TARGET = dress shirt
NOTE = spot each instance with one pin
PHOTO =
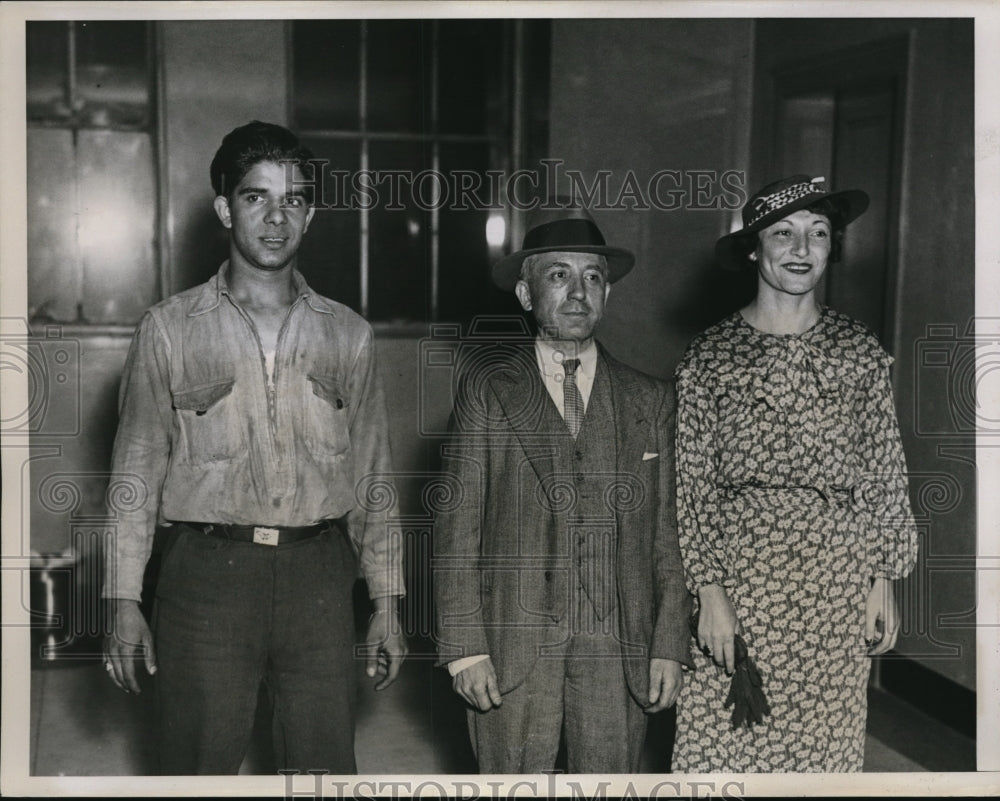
(200, 437)
(550, 357)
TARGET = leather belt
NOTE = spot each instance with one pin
(261, 535)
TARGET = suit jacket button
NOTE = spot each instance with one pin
(548, 575)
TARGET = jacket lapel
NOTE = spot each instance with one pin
(529, 410)
(633, 407)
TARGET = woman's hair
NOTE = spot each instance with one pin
(251, 144)
(832, 211)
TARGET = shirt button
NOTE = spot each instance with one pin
(579, 454)
(548, 575)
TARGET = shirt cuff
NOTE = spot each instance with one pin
(456, 667)
(383, 582)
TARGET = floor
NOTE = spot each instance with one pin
(81, 725)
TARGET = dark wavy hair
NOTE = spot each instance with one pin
(251, 144)
(831, 210)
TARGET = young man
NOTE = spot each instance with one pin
(250, 409)
(561, 603)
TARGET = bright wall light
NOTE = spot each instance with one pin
(496, 230)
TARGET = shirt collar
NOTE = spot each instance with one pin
(217, 286)
(550, 357)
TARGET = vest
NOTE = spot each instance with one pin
(589, 464)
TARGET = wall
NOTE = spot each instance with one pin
(247, 81)
(643, 96)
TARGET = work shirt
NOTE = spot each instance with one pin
(202, 438)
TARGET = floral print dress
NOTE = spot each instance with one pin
(792, 494)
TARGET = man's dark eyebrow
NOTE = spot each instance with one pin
(596, 266)
(251, 190)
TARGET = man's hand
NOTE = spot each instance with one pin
(385, 646)
(665, 680)
(477, 684)
(130, 638)
(717, 626)
(881, 618)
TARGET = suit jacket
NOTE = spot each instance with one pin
(501, 547)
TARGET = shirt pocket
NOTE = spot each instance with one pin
(327, 430)
(208, 423)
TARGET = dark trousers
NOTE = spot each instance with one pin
(576, 690)
(230, 615)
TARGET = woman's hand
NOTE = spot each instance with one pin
(881, 618)
(717, 626)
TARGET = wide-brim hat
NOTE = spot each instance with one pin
(776, 201)
(561, 225)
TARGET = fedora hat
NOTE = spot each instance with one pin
(776, 201)
(558, 226)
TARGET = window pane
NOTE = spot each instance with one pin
(113, 73)
(53, 264)
(399, 241)
(465, 258)
(470, 69)
(325, 71)
(117, 225)
(330, 255)
(399, 58)
(46, 50)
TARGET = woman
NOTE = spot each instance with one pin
(792, 499)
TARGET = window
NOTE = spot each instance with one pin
(409, 118)
(92, 195)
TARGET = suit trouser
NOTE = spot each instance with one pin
(230, 615)
(576, 689)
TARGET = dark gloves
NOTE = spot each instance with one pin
(746, 693)
(746, 689)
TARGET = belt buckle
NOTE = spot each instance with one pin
(265, 536)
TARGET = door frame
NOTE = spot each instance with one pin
(836, 71)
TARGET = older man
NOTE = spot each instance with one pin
(250, 410)
(561, 606)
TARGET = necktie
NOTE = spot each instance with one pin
(572, 399)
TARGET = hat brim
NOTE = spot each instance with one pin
(729, 250)
(507, 271)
